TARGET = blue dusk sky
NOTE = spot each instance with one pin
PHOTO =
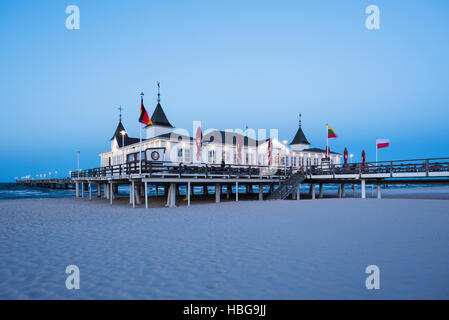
(226, 63)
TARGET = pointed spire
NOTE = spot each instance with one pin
(159, 118)
(119, 129)
(300, 138)
(120, 113)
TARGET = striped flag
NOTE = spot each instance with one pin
(382, 143)
(144, 118)
(331, 133)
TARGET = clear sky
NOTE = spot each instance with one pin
(226, 63)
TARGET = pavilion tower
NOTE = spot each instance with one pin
(160, 124)
(300, 141)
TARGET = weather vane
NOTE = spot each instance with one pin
(158, 92)
(300, 120)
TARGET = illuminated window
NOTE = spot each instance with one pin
(187, 155)
(211, 156)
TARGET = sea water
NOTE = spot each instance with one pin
(16, 191)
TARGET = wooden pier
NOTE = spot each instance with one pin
(262, 181)
(172, 176)
(64, 183)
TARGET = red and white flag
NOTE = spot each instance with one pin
(382, 143)
(199, 143)
(270, 151)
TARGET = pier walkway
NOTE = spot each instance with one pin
(274, 182)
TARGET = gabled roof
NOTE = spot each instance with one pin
(159, 118)
(216, 136)
(170, 135)
(118, 136)
(318, 150)
(299, 138)
(127, 140)
(229, 138)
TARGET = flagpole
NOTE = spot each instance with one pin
(376, 150)
(327, 140)
(140, 144)
(140, 152)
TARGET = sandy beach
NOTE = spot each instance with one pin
(247, 250)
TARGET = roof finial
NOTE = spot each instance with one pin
(158, 92)
(300, 120)
(120, 113)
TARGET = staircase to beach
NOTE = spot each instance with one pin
(287, 186)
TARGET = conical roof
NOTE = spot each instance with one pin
(159, 118)
(127, 140)
(119, 129)
(299, 138)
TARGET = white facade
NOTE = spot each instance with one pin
(184, 150)
(154, 131)
(165, 143)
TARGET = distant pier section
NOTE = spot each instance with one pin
(63, 183)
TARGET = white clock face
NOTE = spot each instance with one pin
(155, 155)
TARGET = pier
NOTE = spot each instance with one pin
(63, 183)
(172, 176)
(263, 182)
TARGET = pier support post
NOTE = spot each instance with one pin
(111, 192)
(174, 195)
(339, 191)
(98, 190)
(236, 191)
(82, 189)
(77, 190)
(298, 192)
(342, 190)
(260, 191)
(363, 188)
(379, 195)
(146, 194)
(320, 195)
(168, 196)
(217, 192)
(138, 193)
(188, 194)
(90, 191)
(312, 187)
(228, 191)
(132, 192)
(171, 196)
